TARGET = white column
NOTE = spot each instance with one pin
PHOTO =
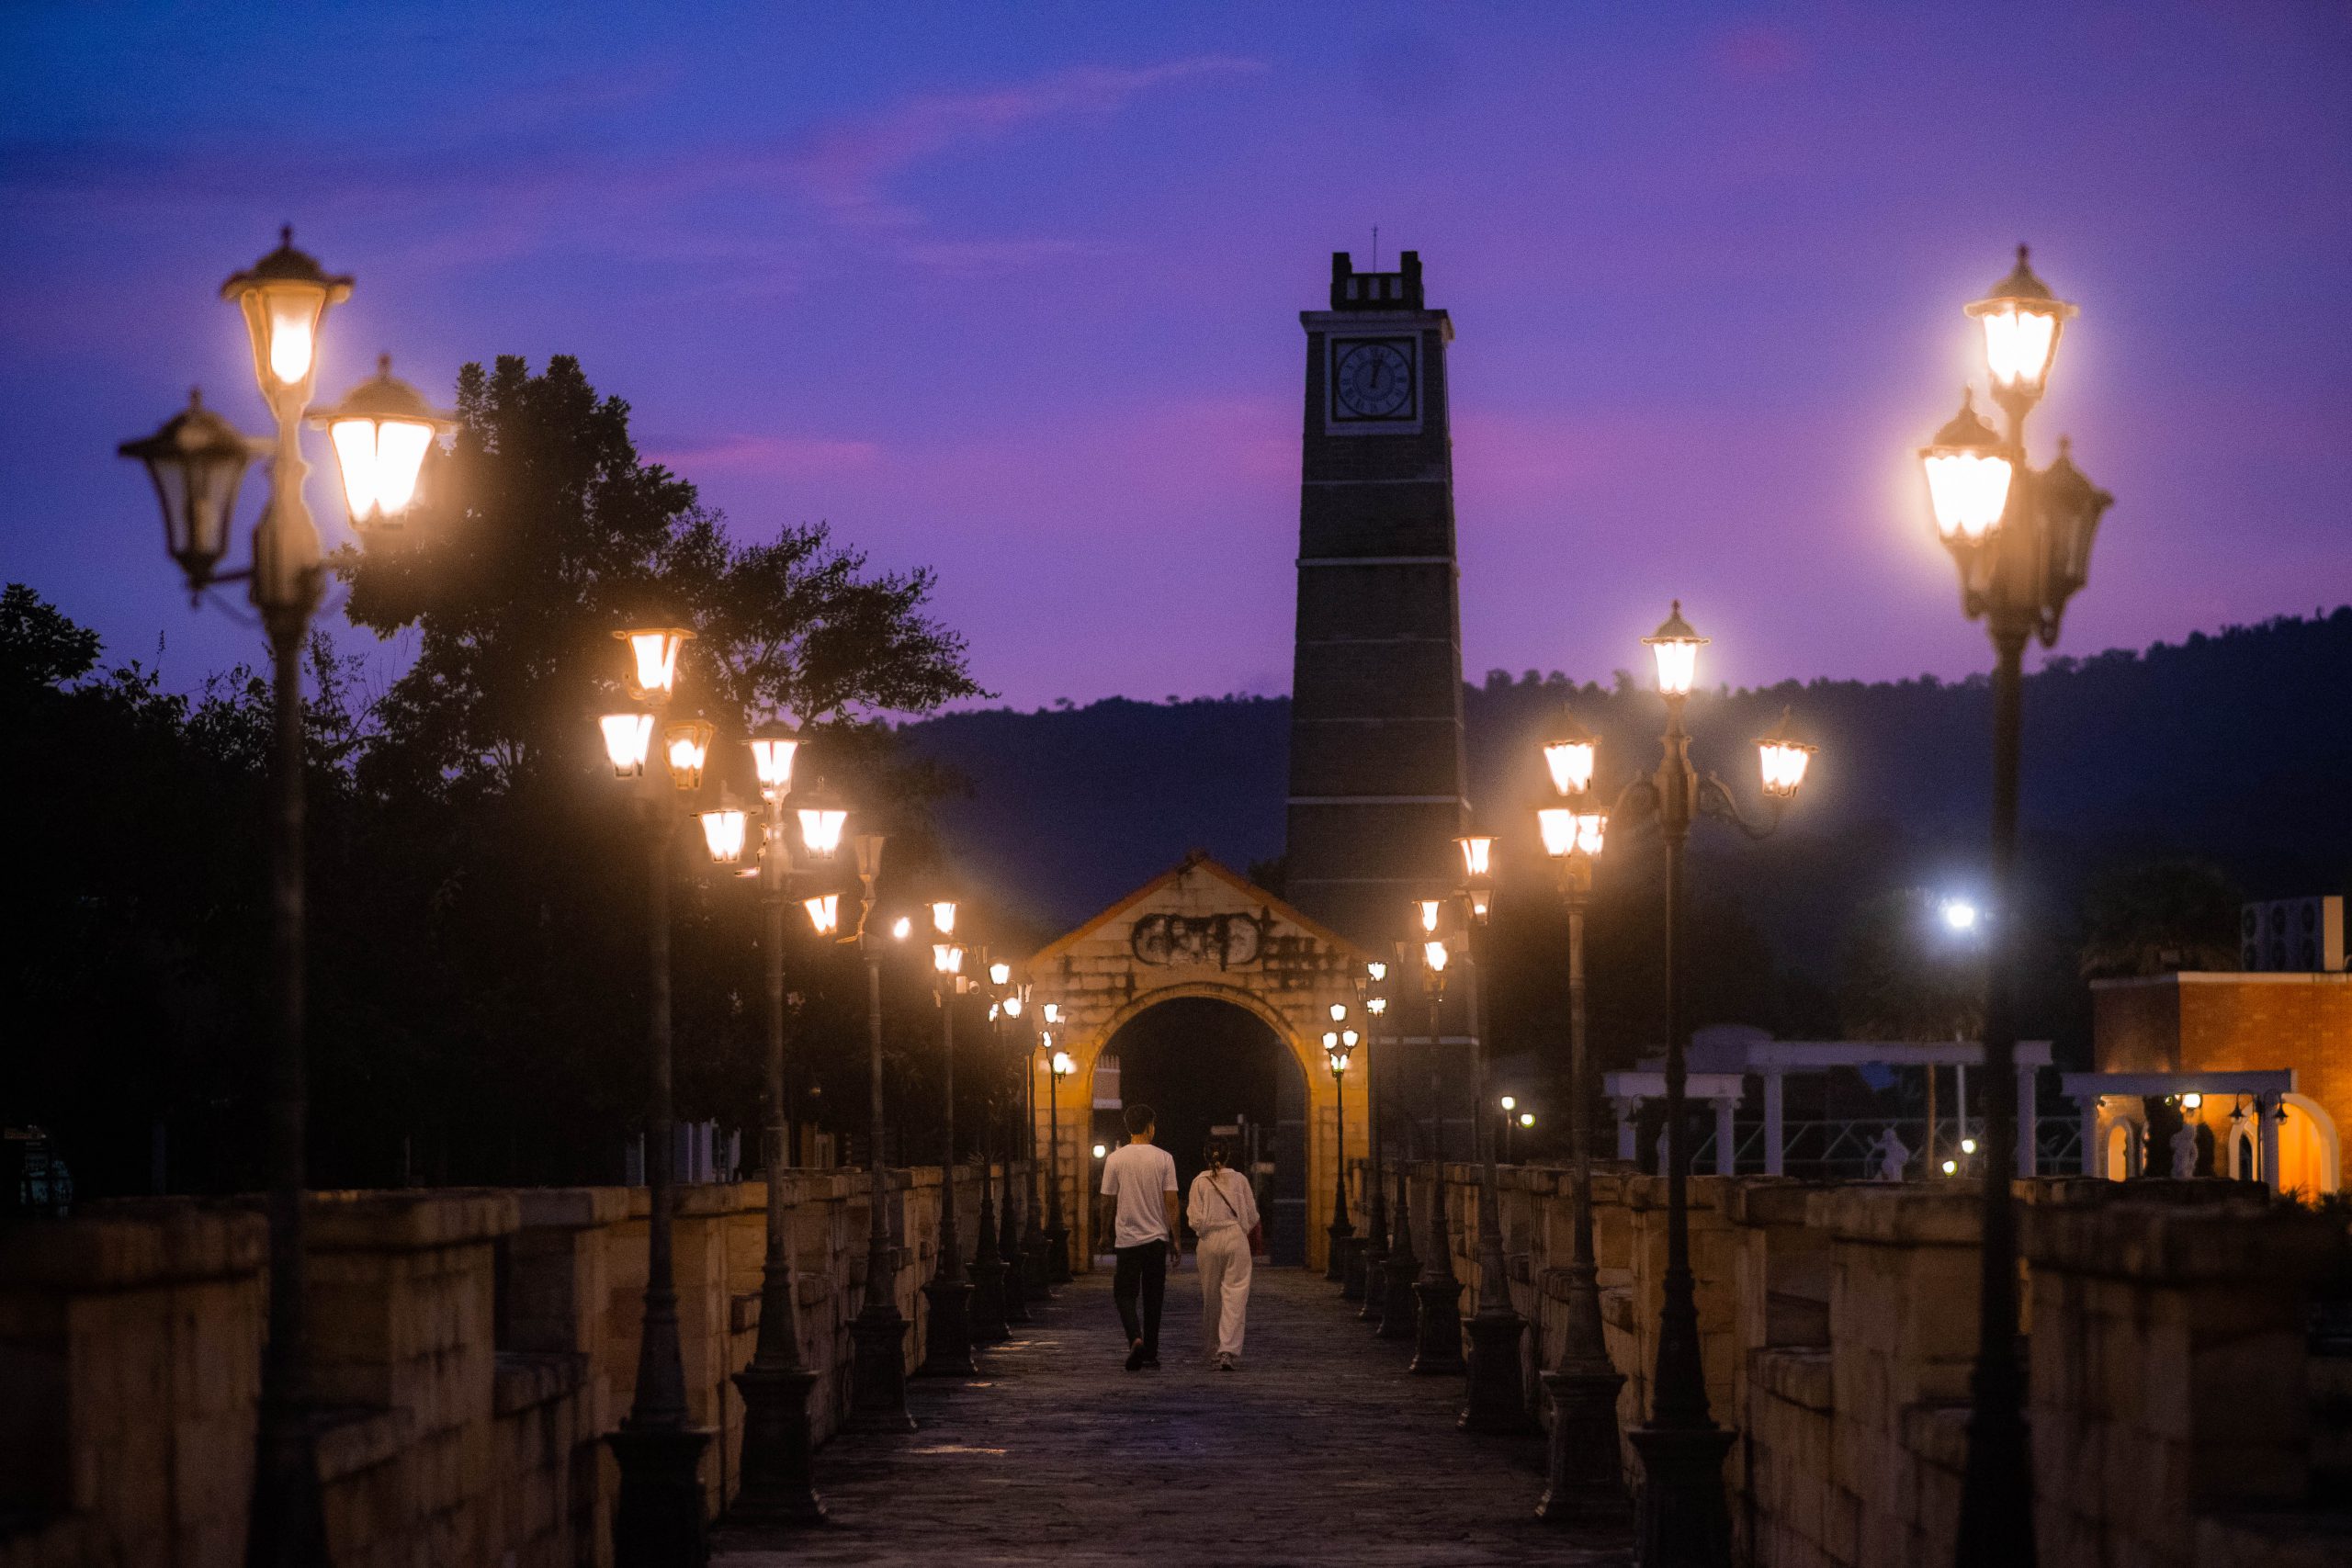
(1627, 1107)
(1724, 1152)
(2027, 1163)
(2265, 1106)
(2093, 1158)
(1775, 1154)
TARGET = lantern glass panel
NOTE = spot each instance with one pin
(628, 739)
(1571, 764)
(722, 834)
(820, 831)
(824, 912)
(1968, 488)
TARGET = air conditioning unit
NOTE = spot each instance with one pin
(2292, 936)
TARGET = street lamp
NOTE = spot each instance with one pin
(1584, 1479)
(1335, 1263)
(659, 1514)
(1339, 1045)
(1497, 1398)
(1683, 1517)
(947, 1337)
(1000, 1298)
(197, 463)
(1366, 1275)
(1437, 1343)
(1035, 1283)
(2022, 542)
(878, 1332)
(1057, 1233)
(778, 1438)
(1508, 1103)
(1399, 1306)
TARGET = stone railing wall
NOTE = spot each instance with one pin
(472, 1347)
(2178, 1417)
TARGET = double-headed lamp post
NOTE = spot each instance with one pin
(877, 1382)
(380, 434)
(1437, 1343)
(1497, 1388)
(659, 1517)
(998, 1301)
(777, 1442)
(1682, 1518)
(2022, 541)
(1584, 1477)
(947, 1336)
(1338, 1046)
(1335, 1262)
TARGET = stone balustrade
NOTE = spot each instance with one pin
(2179, 1417)
(472, 1348)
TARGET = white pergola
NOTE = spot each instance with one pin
(1731, 1057)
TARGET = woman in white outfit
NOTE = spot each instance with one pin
(1224, 1212)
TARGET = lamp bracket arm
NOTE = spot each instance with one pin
(1716, 800)
(1636, 801)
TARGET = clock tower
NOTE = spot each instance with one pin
(1375, 742)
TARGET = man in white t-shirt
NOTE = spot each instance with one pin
(1141, 1213)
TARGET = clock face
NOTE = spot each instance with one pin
(1373, 379)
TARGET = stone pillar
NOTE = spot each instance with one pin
(2170, 1372)
(1726, 1152)
(1775, 1149)
(1627, 1106)
(2029, 1111)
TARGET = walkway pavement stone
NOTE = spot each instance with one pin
(1321, 1450)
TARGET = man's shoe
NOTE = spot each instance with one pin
(1134, 1358)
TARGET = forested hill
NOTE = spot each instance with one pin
(2235, 747)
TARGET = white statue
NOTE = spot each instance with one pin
(1893, 1157)
(2184, 1152)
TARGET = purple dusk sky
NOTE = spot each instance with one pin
(1011, 291)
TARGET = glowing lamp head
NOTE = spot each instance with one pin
(1950, 1166)
(825, 913)
(1337, 1055)
(1347, 1038)
(1570, 756)
(2022, 322)
(1063, 1065)
(902, 928)
(1015, 1006)
(382, 435)
(686, 744)
(628, 741)
(1435, 956)
(1376, 1006)
(1330, 1039)
(1783, 759)
(772, 754)
(1527, 1119)
(999, 973)
(1053, 1011)
(1557, 825)
(1968, 478)
(1968, 1145)
(2192, 1101)
(284, 296)
(196, 462)
(942, 917)
(1676, 647)
(947, 957)
(1099, 1150)
(1427, 911)
(1510, 1103)
(1477, 856)
(722, 834)
(654, 659)
(1338, 1011)
(1375, 971)
(1959, 914)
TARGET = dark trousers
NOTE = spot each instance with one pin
(1143, 1268)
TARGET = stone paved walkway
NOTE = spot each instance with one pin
(1322, 1449)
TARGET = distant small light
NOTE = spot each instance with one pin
(1100, 1151)
(1950, 1166)
(2191, 1101)
(1959, 914)
(1968, 1145)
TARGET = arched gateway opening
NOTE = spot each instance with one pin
(1154, 981)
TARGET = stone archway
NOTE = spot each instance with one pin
(1201, 930)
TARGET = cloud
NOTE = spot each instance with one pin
(780, 456)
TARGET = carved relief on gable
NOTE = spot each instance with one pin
(1225, 942)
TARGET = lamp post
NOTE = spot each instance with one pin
(878, 1333)
(1004, 1253)
(777, 1442)
(1057, 1233)
(1335, 1261)
(1436, 1346)
(947, 1337)
(196, 462)
(1034, 1284)
(1497, 1398)
(1508, 1103)
(1585, 1480)
(1682, 1518)
(659, 1516)
(2023, 542)
(1399, 1306)
(1339, 1044)
(1367, 1265)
